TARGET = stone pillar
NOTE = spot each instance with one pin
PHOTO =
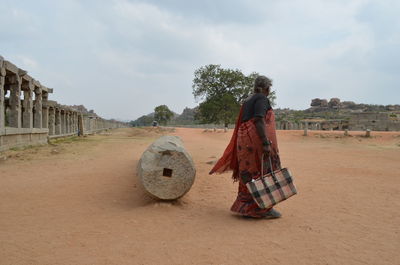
(52, 120)
(64, 117)
(305, 129)
(62, 114)
(57, 129)
(80, 125)
(73, 122)
(27, 115)
(67, 122)
(15, 102)
(2, 81)
(45, 117)
(166, 170)
(38, 108)
(76, 122)
(70, 130)
(45, 111)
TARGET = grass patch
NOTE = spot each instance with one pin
(27, 147)
(68, 140)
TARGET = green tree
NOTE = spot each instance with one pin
(162, 114)
(222, 91)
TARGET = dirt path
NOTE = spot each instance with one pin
(78, 203)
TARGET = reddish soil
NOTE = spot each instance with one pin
(78, 202)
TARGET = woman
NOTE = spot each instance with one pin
(253, 137)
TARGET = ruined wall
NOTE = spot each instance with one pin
(27, 117)
(358, 122)
(375, 121)
(352, 121)
(310, 124)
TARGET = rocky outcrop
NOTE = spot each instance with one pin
(317, 102)
(334, 103)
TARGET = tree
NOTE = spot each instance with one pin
(162, 114)
(222, 92)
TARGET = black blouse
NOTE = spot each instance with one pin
(255, 106)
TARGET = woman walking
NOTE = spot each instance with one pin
(254, 137)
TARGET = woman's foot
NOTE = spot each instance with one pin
(272, 214)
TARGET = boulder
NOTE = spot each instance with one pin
(317, 102)
(348, 104)
(166, 170)
(334, 103)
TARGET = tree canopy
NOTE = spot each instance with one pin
(163, 114)
(221, 92)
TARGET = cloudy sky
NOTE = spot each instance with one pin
(124, 57)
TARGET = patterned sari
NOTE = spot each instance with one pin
(243, 155)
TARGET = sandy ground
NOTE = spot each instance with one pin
(78, 202)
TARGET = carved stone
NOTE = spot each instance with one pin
(166, 170)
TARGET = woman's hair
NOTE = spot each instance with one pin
(262, 82)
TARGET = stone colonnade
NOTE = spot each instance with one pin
(61, 120)
(28, 117)
(329, 125)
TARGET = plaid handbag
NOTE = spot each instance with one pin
(272, 188)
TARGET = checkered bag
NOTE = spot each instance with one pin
(272, 188)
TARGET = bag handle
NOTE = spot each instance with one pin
(270, 164)
(272, 174)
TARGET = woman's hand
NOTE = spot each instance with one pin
(267, 149)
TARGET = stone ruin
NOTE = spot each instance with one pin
(166, 170)
(28, 117)
(353, 117)
(321, 103)
(318, 104)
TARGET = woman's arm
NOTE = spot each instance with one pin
(260, 126)
(260, 109)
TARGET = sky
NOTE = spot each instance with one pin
(123, 58)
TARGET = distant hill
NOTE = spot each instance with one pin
(187, 117)
(319, 109)
(331, 110)
(318, 105)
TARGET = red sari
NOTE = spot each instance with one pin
(243, 156)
